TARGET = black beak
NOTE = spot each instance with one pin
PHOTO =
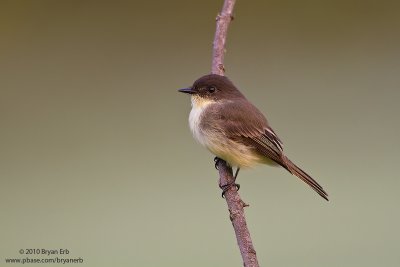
(187, 90)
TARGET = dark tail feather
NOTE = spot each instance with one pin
(292, 168)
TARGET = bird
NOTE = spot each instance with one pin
(234, 130)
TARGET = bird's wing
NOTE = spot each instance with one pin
(245, 123)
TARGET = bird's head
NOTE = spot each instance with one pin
(213, 87)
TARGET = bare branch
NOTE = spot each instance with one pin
(223, 19)
(236, 215)
(235, 203)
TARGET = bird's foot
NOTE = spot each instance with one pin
(226, 187)
(216, 161)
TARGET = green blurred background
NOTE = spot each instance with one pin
(96, 155)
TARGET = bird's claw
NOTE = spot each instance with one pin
(216, 161)
(226, 187)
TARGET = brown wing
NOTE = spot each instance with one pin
(245, 123)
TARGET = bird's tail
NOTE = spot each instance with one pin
(292, 168)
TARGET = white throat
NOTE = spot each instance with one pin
(198, 106)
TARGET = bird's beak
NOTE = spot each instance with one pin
(187, 90)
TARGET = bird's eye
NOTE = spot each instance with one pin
(211, 89)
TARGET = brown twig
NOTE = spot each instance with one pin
(223, 19)
(235, 203)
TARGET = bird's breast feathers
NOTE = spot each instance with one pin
(199, 105)
(212, 136)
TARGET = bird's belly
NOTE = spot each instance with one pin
(233, 152)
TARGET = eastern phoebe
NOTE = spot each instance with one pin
(233, 129)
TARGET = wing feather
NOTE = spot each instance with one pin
(244, 123)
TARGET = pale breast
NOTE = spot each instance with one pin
(198, 107)
(215, 140)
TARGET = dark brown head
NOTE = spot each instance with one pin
(213, 87)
